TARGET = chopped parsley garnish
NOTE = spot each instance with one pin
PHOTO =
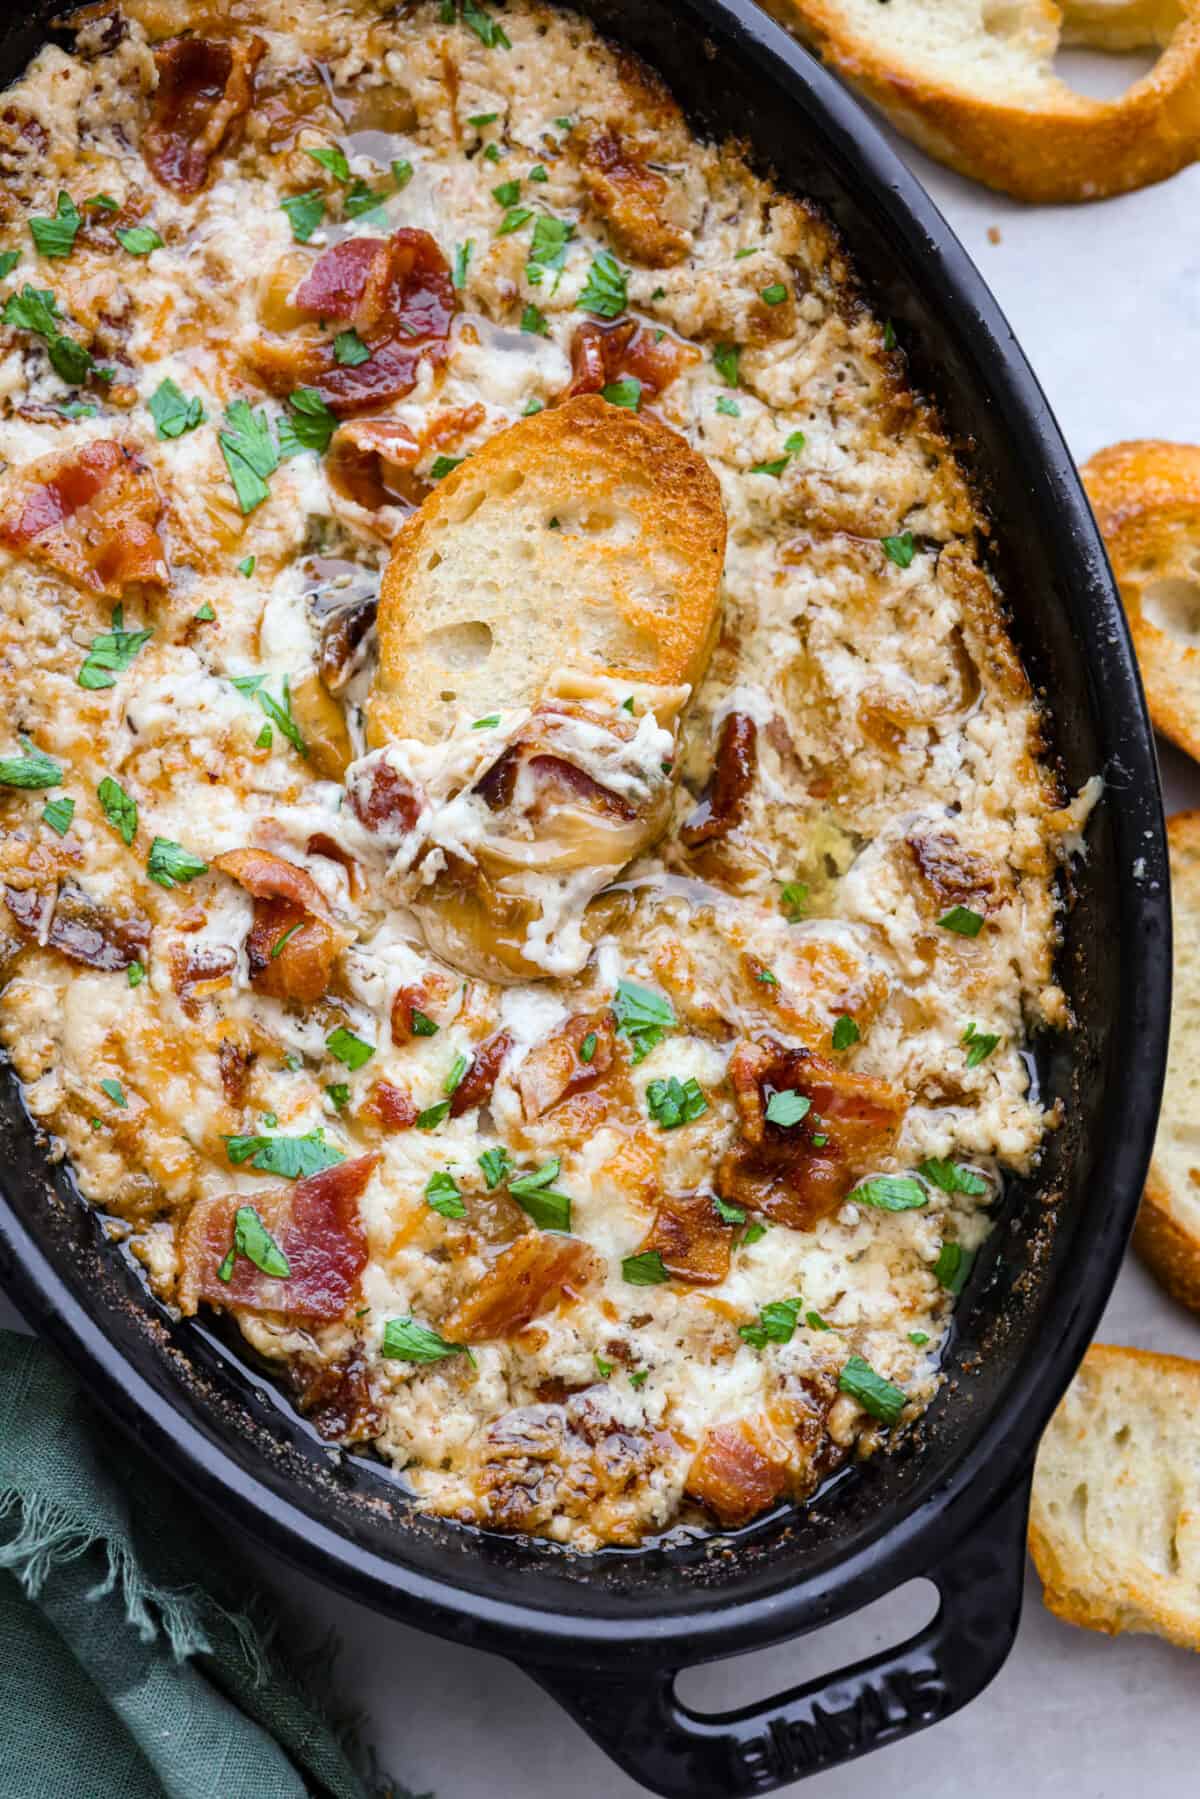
(775, 294)
(246, 566)
(538, 173)
(8, 262)
(173, 413)
(441, 466)
(489, 31)
(404, 1340)
(645, 1270)
(587, 1048)
(252, 1239)
(794, 443)
(334, 161)
(462, 260)
(605, 292)
(873, 1393)
(537, 1195)
(58, 815)
(953, 1266)
(787, 1107)
(889, 343)
(136, 973)
(56, 236)
(726, 1213)
(815, 1322)
(535, 322)
(76, 409)
(360, 200)
(422, 1024)
(402, 173)
(548, 247)
(767, 978)
(891, 1193)
(205, 615)
(962, 920)
(492, 152)
(486, 724)
(281, 715)
(115, 1092)
(776, 1324)
(139, 240)
(35, 309)
(514, 218)
(639, 1377)
(626, 392)
(899, 550)
(349, 350)
(496, 1165)
(111, 653)
(979, 1045)
(729, 407)
(339, 1095)
(603, 1368)
(308, 426)
(442, 1195)
(952, 1177)
(33, 769)
(348, 1048)
(119, 807)
(725, 361)
(458, 1069)
(305, 212)
(294, 1158)
(508, 192)
(170, 864)
(432, 1116)
(753, 1233)
(845, 1032)
(479, 119)
(920, 1338)
(673, 1102)
(265, 738)
(643, 1017)
(774, 468)
(281, 942)
(793, 900)
(250, 454)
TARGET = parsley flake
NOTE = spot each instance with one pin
(462, 261)
(404, 1340)
(626, 392)
(587, 1048)
(305, 212)
(548, 246)
(402, 173)
(728, 407)
(535, 322)
(58, 815)
(962, 920)
(309, 426)
(725, 360)
(111, 654)
(952, 1177)
(334, 161)
(793, 900)
(899, 550)
(726, 1213)
(775, 294)
(845, 1032)
(441, 466)
(605, 292)
(173, 413)
(170, 864)
(348, 1048)
(643, 1017)
(136, 974)
(496, 1165)
(953, 1266)
(672, 1102)
(33, 769)
(776, 1324)
(873, 1393)
(432, 1116)
(56, 236)
(119, 807)
(979, 1045)
(250, 454)
(139, 240)
(537, 1196)
(442, 1195)
(644, 1270)
(115, 1092)
(787, 1107)
(252, 1239)
(293, 1158)
(508, 192)
(891, 1193)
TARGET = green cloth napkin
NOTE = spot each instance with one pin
(137, 1659)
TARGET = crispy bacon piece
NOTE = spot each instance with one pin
(432, 990)
(337, 1397)
(779, 1169)
(316, 1224)
(735, 1477)
(395, 1108)
(342, 635)
(553, 1069)
(604, 353)
(234, 1063)
(91, 513)
(395, 292)
(692, 1241)
(530, 1277)
(724, 806)
(369, 461)
(293, 944)
(475, 1088)
(205, 89)
(384, 802)
(79, 928)
(957, 876)
(632, 200)
(320, 844)
(200, 969)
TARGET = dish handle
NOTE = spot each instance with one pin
(641, 1723)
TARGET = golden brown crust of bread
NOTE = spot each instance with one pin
(1146, 497)
(1165, 1235)
(1111, 1588)
(1069, 147)
(591, 460)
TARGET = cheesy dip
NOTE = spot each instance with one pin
(658, 1223)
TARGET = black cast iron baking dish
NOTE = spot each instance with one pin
(607, 1634)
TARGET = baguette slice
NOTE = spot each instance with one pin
(973, 83)
(1167, 1236)
(1146, 497)
(583, 539)
(1114, 1528)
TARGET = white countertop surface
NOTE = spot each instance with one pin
(1106, 302)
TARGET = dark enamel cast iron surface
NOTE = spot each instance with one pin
(606, 1635)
